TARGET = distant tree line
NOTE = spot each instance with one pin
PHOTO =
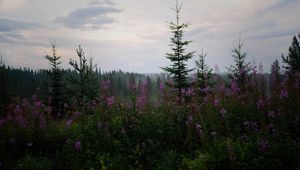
(57, 86)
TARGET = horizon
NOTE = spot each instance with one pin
(132, 37)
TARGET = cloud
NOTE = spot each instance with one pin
(277, 5)
(198, 30)
(15, 38)
(101, 2)
(8, 25)
(89, 18)
(275, 34)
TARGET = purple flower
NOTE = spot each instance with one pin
(251, 125)
(110, 101)
(77, 113)
(29, 144)
(221, 88)
(38, 104)
(140, 101)
(222, 113)
(161, 86)
(17, 109)
(216, 102)
(205, 99)
(2, 121)
(234, 87)
(93, 103)
(263, 145)
(34, 97)
(283, 93)
(69, 123)
(189, 120)
(260, 104)
(77, 145)
(199, 129)
(105, 84)
(189, 92)
(21, 121)
(42, 122)
(271, 114)
(205, 90)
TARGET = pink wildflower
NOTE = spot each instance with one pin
(77, 145)
(110, 101)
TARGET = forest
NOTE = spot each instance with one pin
(182, 118)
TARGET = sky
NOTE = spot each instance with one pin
(133, 35)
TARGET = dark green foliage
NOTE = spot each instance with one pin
(292, 60)
(178, 57)
(29, 163)
(275, 68)
(83, 86)
(241, 68)
(204, 73)
(3, 85)
(56, 82)
(275, 78)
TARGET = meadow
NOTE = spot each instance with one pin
(221, 126)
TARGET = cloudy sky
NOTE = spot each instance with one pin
(133, 35)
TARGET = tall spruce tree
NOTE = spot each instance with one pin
(241, 68)
(204, 72)
(178, 57)
(56, 82)
(83, 85)
(292, 60)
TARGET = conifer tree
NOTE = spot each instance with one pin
(275, 69)
(204, 73)
(275, 77)
(83, 85)
(178, 57)
(241, 68)
(292, 61)
(3, 85)
(56, 83)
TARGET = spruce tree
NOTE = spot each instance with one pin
(178, 57)
(83, 85)
(3, 85)
(241, 68)
(56, 83)
(292, 60)
(275, 77)
(275, 69)
(204, 72)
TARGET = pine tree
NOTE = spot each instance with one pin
(240, 70)
(178, 57)
(56, 84)
(292, 61)
(204, 73)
